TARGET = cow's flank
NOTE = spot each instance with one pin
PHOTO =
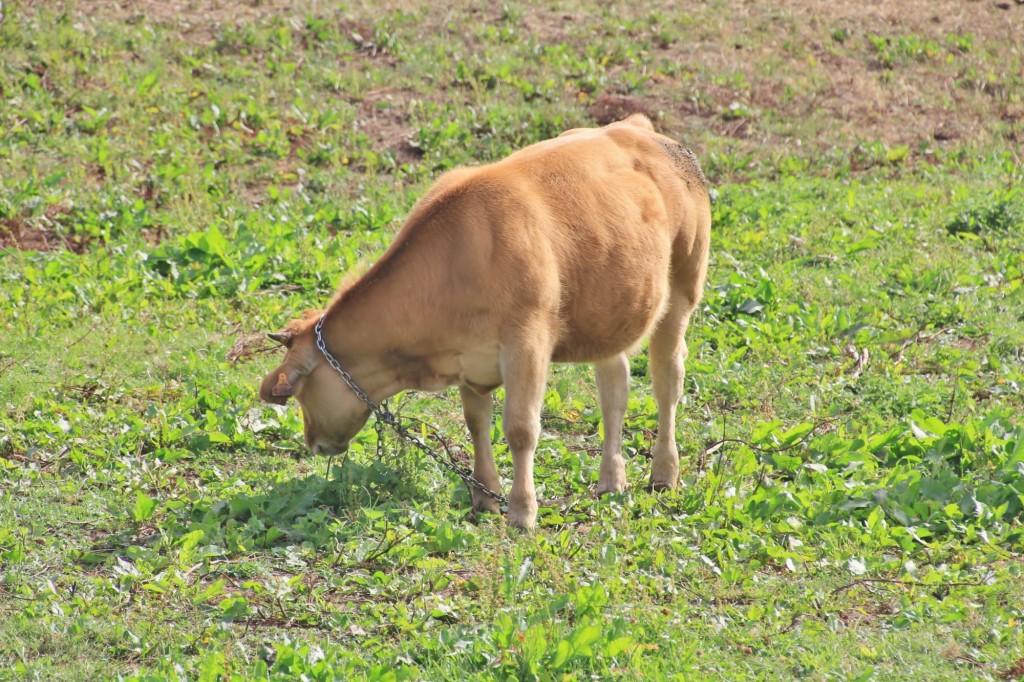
(571, 250)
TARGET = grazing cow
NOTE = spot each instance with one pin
(571, 250)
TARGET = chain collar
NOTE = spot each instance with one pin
(385, 416)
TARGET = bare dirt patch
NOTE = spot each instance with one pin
(609, 108)
(19, 234)
(384, 118)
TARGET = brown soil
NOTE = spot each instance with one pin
(384, 118)
(16, 233)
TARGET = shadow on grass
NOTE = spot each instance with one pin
(312, 511)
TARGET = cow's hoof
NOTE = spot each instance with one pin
(610, 487)
(612, 478)
(523, 520)
(657, 486)
(483, 502)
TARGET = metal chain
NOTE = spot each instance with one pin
(385, 416)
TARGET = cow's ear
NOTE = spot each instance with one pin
(284, 338)
(282, 389)
(278, 386)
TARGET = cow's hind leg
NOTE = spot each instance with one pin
(613, 385)
(667, 356)
(478, 409)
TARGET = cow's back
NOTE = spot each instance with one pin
(608, 217)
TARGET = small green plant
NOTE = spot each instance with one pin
(895, 51)
(1002, 214)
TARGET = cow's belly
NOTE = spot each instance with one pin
(609, 325)
(612, 296)
(480, 367)
(594, 345)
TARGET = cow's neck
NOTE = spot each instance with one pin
(380, 334)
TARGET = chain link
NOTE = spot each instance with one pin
(385, 416)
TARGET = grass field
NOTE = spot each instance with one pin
(178, 177)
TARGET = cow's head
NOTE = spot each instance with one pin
(331, 413)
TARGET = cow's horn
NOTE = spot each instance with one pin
(283, 338)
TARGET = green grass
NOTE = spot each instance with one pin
(173, 185)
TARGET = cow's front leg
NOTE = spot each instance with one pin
(478, 409)
(613, 386)
(524, 372)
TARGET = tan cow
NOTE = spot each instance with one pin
(570, 250)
